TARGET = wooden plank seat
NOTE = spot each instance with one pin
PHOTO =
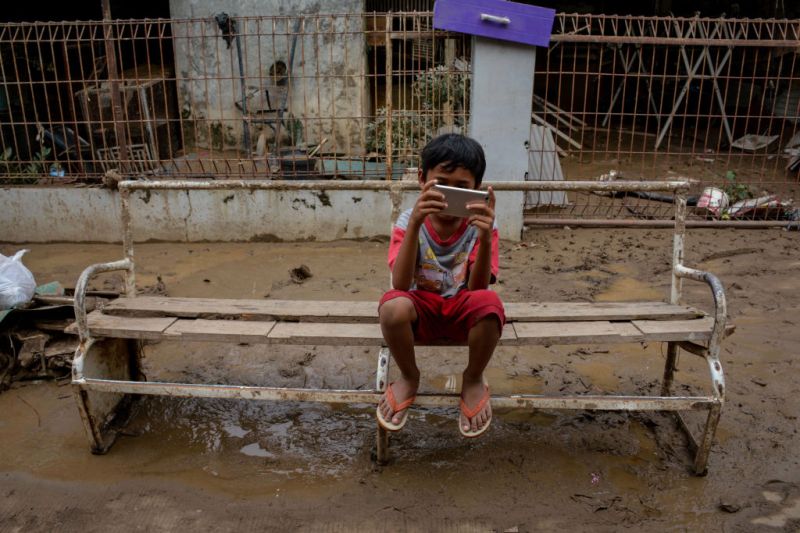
(367, 311)
(355, 324)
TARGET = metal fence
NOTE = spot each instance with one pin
(354, 96)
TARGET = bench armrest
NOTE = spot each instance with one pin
(80, 291)
(720, 319)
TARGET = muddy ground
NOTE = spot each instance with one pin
(234, 465)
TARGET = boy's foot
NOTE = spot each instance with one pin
(476, 409)
(392, 411)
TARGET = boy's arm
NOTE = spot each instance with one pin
(429, 201)
(406, 260)
(481, 273)
(483, 219)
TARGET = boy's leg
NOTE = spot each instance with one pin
(397, 317)
(480, 313)
(482, 339)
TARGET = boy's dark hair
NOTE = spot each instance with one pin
(454, 150)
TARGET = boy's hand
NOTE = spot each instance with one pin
(429, 201)
(483, 217)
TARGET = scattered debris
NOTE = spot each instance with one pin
(300, 274)
(159, 289)
(112, 178)
(729, 507)
(763, 207)
(735, 201)
(645, 195)
(32, 347)
(313, 152)
(713, 201)
(16, 281)
(794, 163)
(29, 353)
(792, 149)
(752, 143)
(33, 342)
(793, 143)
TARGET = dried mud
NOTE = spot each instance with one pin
(225, 465)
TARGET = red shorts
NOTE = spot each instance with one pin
(449, 318)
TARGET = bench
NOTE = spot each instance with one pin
(107, 373)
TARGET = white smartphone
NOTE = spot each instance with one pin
(457, 199)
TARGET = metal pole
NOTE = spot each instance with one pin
(382, 185)
(245, 116)
(669, 368)
(113, 78)
(449, 62)
(623, 223)
(127, 241)
(677, 245)
(389, 59)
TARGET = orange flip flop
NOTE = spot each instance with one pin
(468, 413)
(388, 425)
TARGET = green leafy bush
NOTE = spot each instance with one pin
(735, 190)
(434, 89)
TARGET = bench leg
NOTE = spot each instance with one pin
(382, 446)
(669, 368)
(381, 382)
(104, 414)
(704, 447)
(382, 375)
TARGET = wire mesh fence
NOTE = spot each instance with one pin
(357, 95)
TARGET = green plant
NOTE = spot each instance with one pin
(38, 163)
(410, 131)
(294, 127)
(35, 168)
(435, 89)
(735, 190)
(438, 86)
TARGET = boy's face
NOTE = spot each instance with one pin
(459, 177)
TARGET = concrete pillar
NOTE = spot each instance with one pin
(500, 119)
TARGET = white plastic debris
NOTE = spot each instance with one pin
(16, 281)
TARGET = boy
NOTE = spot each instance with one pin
(442, 266)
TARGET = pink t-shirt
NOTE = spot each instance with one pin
(443, 266)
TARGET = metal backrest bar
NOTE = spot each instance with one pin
(679, 187)
(383, 185)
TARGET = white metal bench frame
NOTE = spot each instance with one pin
(106, 370)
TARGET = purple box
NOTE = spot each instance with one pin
(496, 19)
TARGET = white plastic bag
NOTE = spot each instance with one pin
(16, 281)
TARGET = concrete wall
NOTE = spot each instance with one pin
(92, 215)
(329, 72)
(63, 214)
